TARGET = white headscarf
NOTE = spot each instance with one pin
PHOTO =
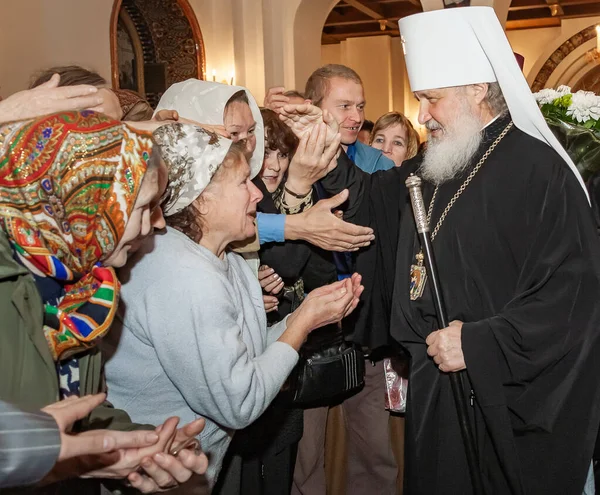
(204, 102)
(467, 45)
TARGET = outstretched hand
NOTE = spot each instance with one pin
(329, 304)
(48, 98)
(172, 467)
(68, 411)
(321, 227)
(301, 118)
(166, 116)
(275, 99)
(312, 160)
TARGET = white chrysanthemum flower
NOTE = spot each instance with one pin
(546, 96)
(585, 106)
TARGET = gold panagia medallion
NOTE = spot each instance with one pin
(418, 277)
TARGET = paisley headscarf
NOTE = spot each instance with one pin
(68, 183)
(134, 106)
(192, 155)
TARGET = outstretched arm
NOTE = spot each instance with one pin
(49, 98)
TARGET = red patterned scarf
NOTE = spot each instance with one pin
(68, 183)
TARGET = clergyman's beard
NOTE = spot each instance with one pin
(447, 156)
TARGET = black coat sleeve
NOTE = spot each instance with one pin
(376, 201)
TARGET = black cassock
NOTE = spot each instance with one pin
(519, 261)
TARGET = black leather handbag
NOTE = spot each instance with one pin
(329, 368)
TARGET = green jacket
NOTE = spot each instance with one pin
(28, 373)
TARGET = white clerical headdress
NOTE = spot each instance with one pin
(204, 102)
(467, 45)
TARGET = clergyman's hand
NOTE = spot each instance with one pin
(321, 227)
(445, 347)
(312, 160)
(301, 118)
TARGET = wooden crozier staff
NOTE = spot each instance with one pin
(413, 183)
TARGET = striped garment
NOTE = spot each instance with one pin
(29, 445)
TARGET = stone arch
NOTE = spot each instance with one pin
(571, 53)
(308, 26)
(166, 35)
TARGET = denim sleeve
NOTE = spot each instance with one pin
(271, 228)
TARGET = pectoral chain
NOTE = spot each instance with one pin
(418, 272)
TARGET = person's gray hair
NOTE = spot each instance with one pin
(495, 99)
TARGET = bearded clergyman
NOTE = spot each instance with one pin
(518, 258)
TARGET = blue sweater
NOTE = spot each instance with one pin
(193, 341)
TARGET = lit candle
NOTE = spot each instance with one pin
(214, 74)
(598, 38)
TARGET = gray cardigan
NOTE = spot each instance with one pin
(192, 341)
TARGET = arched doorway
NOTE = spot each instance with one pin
(308, 28)
(154, 43)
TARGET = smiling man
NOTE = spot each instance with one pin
(339, 90)
(371, 465)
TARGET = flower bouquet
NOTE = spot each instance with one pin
(574, 118)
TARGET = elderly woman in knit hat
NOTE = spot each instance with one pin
(194, 330)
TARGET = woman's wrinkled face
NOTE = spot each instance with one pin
(231, 200)
(392, 141)
(275, 165)
(240, 124)
(141, 222)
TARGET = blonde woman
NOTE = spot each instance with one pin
(395, 136)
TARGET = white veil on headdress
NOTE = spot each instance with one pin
(467, 45)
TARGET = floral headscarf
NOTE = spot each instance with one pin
(68, 183)
(192, 155)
